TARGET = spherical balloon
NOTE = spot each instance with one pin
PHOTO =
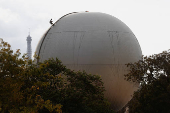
(97, 43)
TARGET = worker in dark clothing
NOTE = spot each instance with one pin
(51, 22)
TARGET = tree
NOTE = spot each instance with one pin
(45, 87)
(153, 74)
(78, 92)
(15, 94)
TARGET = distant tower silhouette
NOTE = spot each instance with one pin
(29, 50)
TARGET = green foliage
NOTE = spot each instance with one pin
(153, 74)
(78, 92)
(149, 68)
(28, 87)
(19, 84)
(152, 98)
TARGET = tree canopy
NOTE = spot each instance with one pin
(28, 87)
(153, 74)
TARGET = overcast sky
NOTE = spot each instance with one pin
(149, 20)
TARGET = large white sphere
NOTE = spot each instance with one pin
(97, 43)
